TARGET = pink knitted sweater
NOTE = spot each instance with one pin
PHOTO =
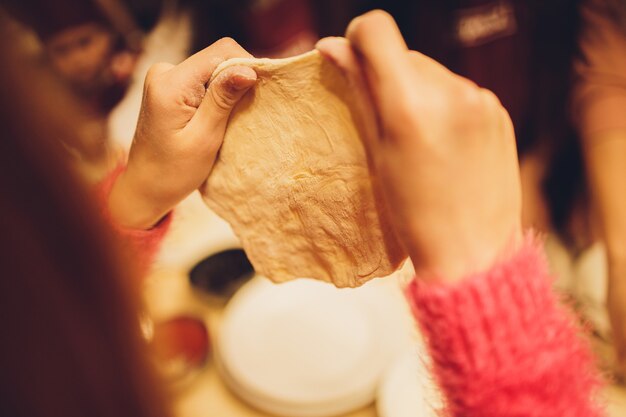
(501, 344)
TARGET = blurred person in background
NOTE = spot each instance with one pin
(599, 109)
(92, 47)
(500, 342)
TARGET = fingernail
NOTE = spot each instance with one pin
(246, 73)
(236, 79)
(242, 78)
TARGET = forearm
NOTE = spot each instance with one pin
(503, 346)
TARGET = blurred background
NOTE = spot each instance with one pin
(559, 68)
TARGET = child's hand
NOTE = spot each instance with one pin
(443, 148)
(180, 130)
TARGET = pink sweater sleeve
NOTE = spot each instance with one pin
(143, 244)
(503, 346)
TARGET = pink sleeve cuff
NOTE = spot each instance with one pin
(144, 243)
(502, 345)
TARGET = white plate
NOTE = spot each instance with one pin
(307, 349)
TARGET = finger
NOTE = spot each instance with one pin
(223, 94)
(340, 52)
(199, 67)
(390, 72)
(376, 37)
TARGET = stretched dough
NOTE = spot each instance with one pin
(292, 178)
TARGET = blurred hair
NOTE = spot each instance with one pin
(557, 26)
(615, 10)
(71, 344)
(48, 18)
(558, 43)
(146, 13)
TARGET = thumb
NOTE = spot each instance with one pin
(223, 93)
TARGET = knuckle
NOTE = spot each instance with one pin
(154, 87)
(467, 108)
(466, 96)
(489, 94)
(226, 43)
(490, 98)
(227, 47)
(156, 70)
(406, 110)
(377, 17)
(222, 99)
(407, 106)
(467, 101)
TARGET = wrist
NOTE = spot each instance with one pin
(453, 260)
(131, 206)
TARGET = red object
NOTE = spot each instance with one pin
(503, 346)
(182, 338)
(275, 27)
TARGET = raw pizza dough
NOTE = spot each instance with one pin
(292, 179)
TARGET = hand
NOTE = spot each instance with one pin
(180, 130)
(443, 149)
